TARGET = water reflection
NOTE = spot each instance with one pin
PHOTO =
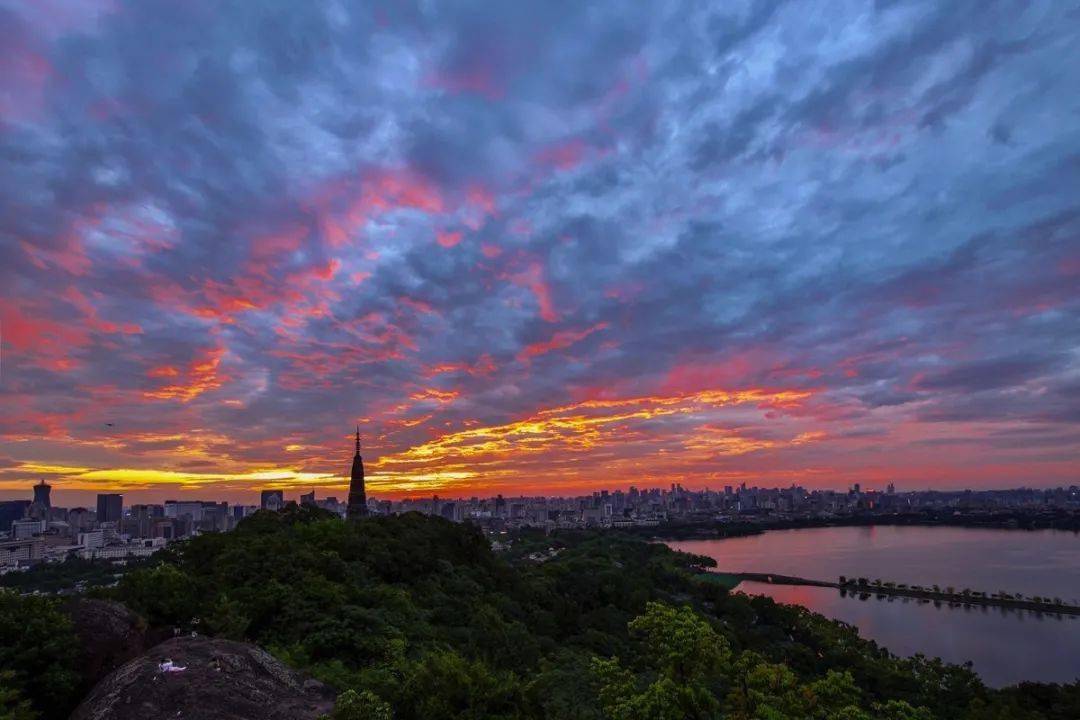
(945, 604)
(1005, 645)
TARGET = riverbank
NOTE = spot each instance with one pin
(742, 527)
(859, 586)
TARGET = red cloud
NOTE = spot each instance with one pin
(344, 209)
(483, 367)
(563, 156)
(447, 239)
(533, 279)
(561, 339)
(478, 79)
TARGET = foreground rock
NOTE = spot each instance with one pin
(221, 680)
(109, 635)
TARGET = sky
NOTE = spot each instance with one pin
(537, 247)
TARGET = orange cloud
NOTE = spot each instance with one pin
(589, 429)
(483, 366)
(201, 376)
(440, 396)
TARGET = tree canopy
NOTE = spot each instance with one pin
(415, 617)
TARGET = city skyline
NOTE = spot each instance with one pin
(340, 493)
(537, 250)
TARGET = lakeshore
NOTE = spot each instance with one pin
(744, 525)
(1007, 639)
(861, 586)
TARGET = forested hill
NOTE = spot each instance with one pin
(415, 617)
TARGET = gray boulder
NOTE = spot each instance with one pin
(220, 680)
(109, 635)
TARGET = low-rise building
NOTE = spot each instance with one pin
(21, 551)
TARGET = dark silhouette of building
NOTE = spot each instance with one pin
(308, 499)
(42, 504)
(41, 494)
(357, 507)
(110, 507)
(12, 510)
(142, 518)
(272, 499)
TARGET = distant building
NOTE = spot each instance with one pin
(21, 552)
(92, 540)
(165, 528)
(120, 551)
(215, 517)
(12, 510)
(332, 504)
(42, 504)
(27, 528)
(110, 507)
(308, 499)
(357, 507)
(142, 518)
(79, 519)
(272, 499)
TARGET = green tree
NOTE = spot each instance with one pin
(443, 685)
(684, 659)
(164, 595)
(227, 619)
(363, 705)
(36, 653)
(682, 645)
(12, 704)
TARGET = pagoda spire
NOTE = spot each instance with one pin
(357, 507)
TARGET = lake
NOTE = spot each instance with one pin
(1005, 646)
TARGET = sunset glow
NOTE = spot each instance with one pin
(536, 251)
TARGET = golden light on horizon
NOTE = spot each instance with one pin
(588, 439)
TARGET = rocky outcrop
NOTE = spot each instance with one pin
(109, 635)
(220, 680)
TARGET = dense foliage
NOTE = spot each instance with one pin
(72, 575)
(37, 658)
(416, 617)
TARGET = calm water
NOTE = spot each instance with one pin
(1005, 646)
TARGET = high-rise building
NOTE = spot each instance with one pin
(12, 510)
(143, 518)
(272, 499)
(41, 494)
(308, 499)
(110, 507)
(357, 507)
(79, 519)
(40, 507)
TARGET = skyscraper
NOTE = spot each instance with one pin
(110, 507)
(357, 496)
(12, 510)
(272, 499)
(41, 494)
(39, 508)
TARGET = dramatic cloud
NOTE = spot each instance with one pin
(538, 248)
